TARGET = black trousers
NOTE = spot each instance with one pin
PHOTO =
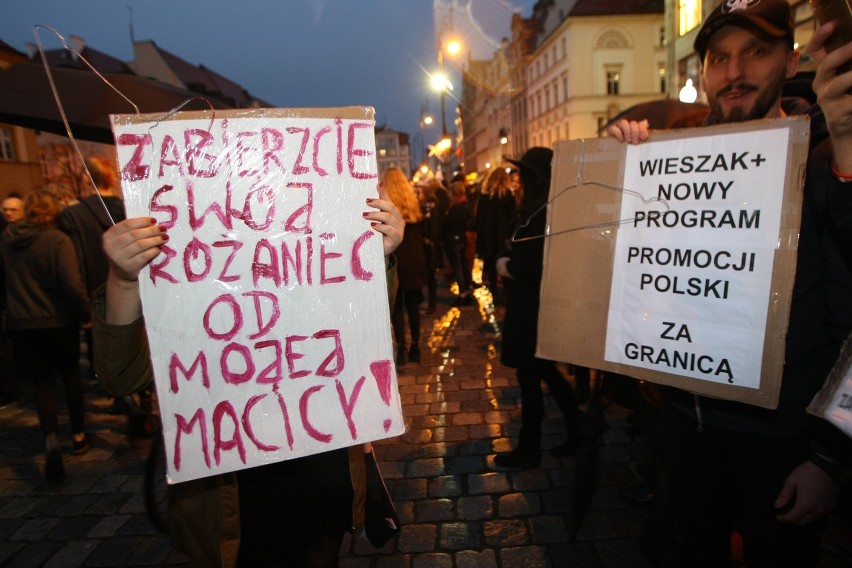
(407, 303)
(723, 481)
(48, 353)
(530, 376)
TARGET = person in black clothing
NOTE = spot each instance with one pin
(85, 222)
(433, 221)
(10, 387)
(521, 269)
(46, 301)
(495, 212)
(411, 265)
(771, 474)
(455, 240)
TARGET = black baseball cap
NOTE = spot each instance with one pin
(770, 18)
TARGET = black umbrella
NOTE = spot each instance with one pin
(27, 100)
(664, 114)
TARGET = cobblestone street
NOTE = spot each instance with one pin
(457, 508)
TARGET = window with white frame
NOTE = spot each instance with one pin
(689, 15)
(613, 78)
(7, 146)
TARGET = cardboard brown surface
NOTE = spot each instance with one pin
(584, 221)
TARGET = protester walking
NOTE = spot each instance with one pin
(521, 269)
(433, 221)
(495, 212)
(411, 266)
(45, 303)
(455, 241)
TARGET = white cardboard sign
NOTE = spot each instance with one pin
(267, 311)
(691, 276)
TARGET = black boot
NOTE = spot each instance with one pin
(520, 457)
(414, 353)
(400, 355)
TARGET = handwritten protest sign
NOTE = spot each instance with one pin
(833, 402)
(267, 311)
(699, 230)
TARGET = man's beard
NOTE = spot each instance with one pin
(762, 105)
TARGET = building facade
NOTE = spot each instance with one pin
(20, 167)
(392, 150)
(566, 71)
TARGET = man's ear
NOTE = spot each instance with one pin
(792, 63)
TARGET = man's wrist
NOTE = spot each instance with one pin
(829, 465)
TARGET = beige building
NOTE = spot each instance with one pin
(392, 150)
(602, 58)
(485, 112)
(567, 70)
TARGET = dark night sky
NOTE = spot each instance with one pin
(287, 52)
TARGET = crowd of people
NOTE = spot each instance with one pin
(51, 260)
(448, 226)
(771, 475)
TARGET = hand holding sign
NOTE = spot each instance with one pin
(387, 220)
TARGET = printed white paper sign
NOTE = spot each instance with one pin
(692, 272)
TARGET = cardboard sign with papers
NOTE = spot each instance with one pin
(673, 260)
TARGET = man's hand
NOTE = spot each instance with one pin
(629, 131)
(811, 492)
(501, 267)
(833, 93)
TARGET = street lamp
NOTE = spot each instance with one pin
(441, 83)
(425, 121)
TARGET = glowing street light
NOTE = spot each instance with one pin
(453, 47)
(441, 83)
(688, 94)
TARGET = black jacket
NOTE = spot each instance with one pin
(520, 327)
(494, 216)
(44, 289)
(820, 312)
(85, 222)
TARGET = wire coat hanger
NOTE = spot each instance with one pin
(579, 182)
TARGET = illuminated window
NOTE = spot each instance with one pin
(7, 148)
(612, 79)
(689, 15)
